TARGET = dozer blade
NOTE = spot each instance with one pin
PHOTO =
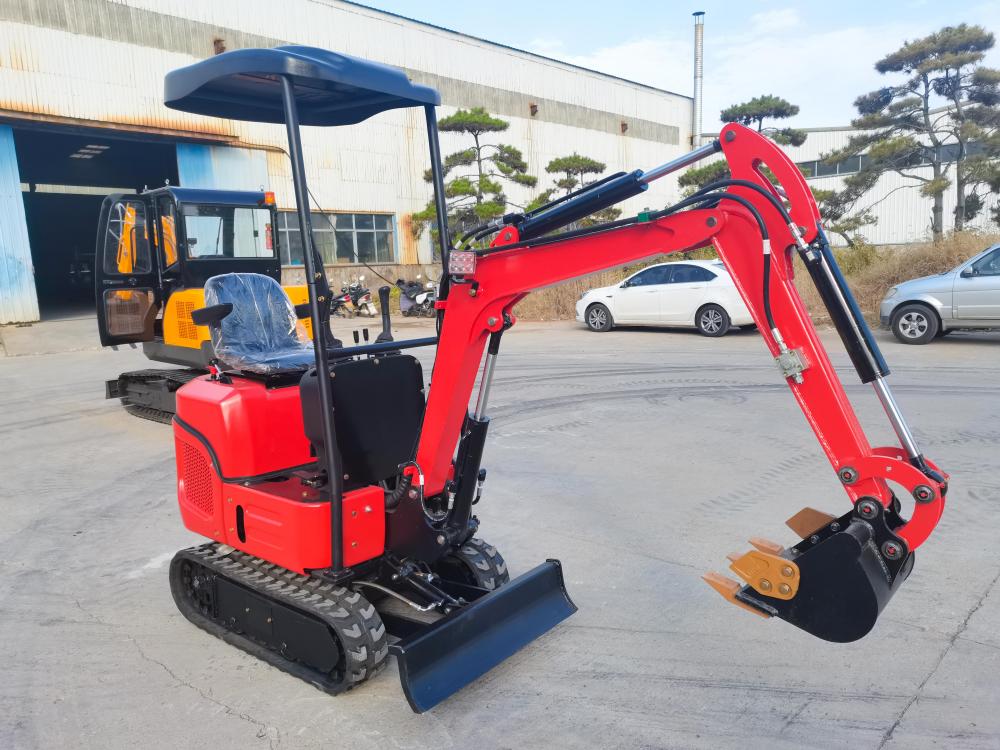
(846, 572)
(450, 653)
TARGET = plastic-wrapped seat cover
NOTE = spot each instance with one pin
(262, 333)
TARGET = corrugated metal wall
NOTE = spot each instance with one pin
(129, 45)
(903, 214)
(378, 166)
(18, 302)
(223, 167)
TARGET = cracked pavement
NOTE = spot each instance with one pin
(639, 458)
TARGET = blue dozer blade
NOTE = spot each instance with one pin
(462, 646)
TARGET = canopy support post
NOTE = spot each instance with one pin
(316, 282)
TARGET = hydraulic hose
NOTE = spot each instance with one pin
(766, 194)
(478, 234)
(473, 231)
(842, 306)
(700, 198)
(394, 498)
(767, 291)
(706, 196)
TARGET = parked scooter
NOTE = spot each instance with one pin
(360, 297)
(417, 299)
(340, 304)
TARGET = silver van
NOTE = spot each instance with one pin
(967, 296)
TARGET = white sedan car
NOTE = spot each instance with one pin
(687, 294)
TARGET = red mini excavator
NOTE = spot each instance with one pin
(339, 492)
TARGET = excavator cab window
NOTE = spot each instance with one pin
(228, 232)
(126, 276)
(166, 213)
(127, 239)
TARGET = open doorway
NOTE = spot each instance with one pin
(61, 230)
(65, 174)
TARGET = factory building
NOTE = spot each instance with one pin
(81, 116)
(902, 214)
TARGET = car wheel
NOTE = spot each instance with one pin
(915, 324)
(712, 320)
(598, 318)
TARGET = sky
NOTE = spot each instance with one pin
(818, 55)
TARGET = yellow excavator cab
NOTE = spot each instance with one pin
(155, 252)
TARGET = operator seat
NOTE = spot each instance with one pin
(260, 333)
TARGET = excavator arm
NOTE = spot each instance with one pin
(838, 578)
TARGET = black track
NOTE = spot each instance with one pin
(148, 412)
(154, 389)
(324, 634)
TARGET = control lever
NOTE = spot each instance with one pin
(383, 306)
(332, 342)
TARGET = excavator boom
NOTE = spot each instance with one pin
(836, 580)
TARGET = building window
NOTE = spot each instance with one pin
(948, 153)
(825, 170)
(340, 238)
(849, 165)
(817, 168)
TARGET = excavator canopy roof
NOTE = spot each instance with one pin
(330, 88)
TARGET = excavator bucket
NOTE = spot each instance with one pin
(452, 652)
(832, 584)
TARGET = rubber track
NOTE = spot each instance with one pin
(180, 376)
(351, 617)
(148, 412)
(177, 377)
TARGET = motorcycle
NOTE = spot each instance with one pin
(339, 304)
(360, 297)
(417, 299)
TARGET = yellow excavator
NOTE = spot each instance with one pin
(155, 250)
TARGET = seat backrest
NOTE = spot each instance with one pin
(261, 324)
(378, 407)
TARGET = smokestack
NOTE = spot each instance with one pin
(699, 71)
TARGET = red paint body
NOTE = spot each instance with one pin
(254, 431)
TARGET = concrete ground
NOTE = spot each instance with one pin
(639, 458)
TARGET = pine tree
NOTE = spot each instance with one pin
(475, 177)
(944, 115)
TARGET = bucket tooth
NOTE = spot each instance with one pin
(729, 588)
(734, 556)
(766, 545)
(808, 521)
(768, 574)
